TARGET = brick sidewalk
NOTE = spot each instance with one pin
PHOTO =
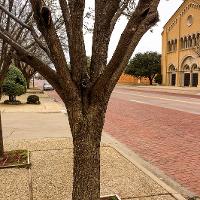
(166, 138)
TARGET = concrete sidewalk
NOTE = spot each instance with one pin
(44, 131)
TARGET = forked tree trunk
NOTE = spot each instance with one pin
(1, 139)
(86, 168)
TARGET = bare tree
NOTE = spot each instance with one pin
(15, 30)
(26, 70)
(85, 90)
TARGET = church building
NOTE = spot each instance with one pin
(181, 47)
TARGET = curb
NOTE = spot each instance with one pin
(167, 183)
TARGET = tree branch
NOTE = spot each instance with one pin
(30, 28)
(78, 59)
(105, 11)
(44, 22)
(14, 17)
(144, 17)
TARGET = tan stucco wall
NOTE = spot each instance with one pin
(131, 79)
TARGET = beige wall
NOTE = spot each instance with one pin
(131, 79)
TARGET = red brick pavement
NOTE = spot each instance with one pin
(166, 138)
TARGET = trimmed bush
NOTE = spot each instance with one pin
(14, 84)
(33, 99)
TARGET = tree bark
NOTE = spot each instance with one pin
(12, 98)
(150, 80)
(86, 169)
(1, 139)
(28, 82)
(86, 140)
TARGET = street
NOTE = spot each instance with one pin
(162, 128)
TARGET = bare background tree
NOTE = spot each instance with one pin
(84, 90)
(30, 38)
(26, 70)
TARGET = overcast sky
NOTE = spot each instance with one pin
(150, 41)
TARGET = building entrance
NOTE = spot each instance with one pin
(173, 79)
(194, 79)
(187, 79)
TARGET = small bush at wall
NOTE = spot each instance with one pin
(33, 99)
(158, 78)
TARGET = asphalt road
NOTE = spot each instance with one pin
(162, 128)
(172, 101)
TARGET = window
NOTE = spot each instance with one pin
(189, 20)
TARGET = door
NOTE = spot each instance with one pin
(173, 79)
(194, 79)
(187, 79)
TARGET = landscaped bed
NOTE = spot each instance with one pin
(16, 158)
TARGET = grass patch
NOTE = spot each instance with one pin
(15, 158)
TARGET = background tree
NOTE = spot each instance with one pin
(26, 70)
(85, 91)
(144, 65)
(14, 84)
(31, 38)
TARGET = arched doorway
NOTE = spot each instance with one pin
(194, 75)
(190, 72)
(186, 70)
(172, 75)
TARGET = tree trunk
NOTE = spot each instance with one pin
(1, 139)
(86, 168)
(1, 91)
(151, 80)
(28, 83)
(12, 98)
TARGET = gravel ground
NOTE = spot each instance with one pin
(51, 174)
(14, 184)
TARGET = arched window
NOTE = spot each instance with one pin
(186, 68)
(182, 43)
(194, 41)
(169, 46)
(189, 42)
(172, 68)
(172, 45)
(175, 45)
(185, 43)
(194, 67)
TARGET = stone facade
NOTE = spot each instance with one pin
(181, 46)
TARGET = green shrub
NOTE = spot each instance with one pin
(14, 84)
(33, 99)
